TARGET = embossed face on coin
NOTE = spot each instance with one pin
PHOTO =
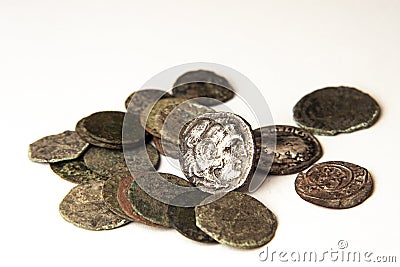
(217, 151)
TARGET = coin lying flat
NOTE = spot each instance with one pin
(109, 193)
(84, 207)
(217, 152)
(138, 101)
(334, 110)
(295, 149)
(335, 184)
(75, 171)
(149, 207)
(55, 148)
(83, 133)
(237, 220)
(203, 83)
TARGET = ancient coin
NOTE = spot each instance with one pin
(334, 110)
(211, 87)
(138, 101)
(146, 205)
(109, 162)
(217, 152)
(54, 148)
(335, 184)
(75, 171)
(237, 220)
(84, 207)
(166, 148)
(109, 193)
(183, 218)
(83, 133)
(295, 149)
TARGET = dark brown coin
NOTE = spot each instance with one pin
(55, 148)
(334, 110)
(335, 184)
(237, 220)
(211, 87)
(295, 149)
(110, 190)
(83, 133)
(75, 171)
(138, 101)
(148, 206)
(84, 207)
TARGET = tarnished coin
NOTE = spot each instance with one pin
(217, 152)
(237, 220)
(149, 207)
(54, 148)
(334, 110)
(110, 190)
(138, 101)
(83, 133)
(75, 171)
(110, 163)
(295, 149)
(335, 184)
(84, 207)
(205, 84)
(166, 148)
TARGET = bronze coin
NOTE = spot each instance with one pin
(83, 133)
(166, 148)
(110, 190)
(335, 184)
(138, 101)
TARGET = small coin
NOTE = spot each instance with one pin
(217, 152)
(211, 87)
(295, 149)
(55, 148)
(166, 148)
(237, 220)
(110, 190)
(75, 171)
(110, 163)
(334, 110)
(138, 101)
(149, 207)
(84, 207)
(335, 184)
(83, 133)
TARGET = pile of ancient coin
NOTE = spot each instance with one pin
(110, 152)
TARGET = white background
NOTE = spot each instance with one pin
(63, 60)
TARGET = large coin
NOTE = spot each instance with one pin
(211, 87)
(54, 148)
(295, 149)
(335, 184)
(138, 101)
(237, 220)
(84, 207)
(217, 152)
(334, 110)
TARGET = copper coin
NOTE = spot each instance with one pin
(83, 133)
(110, 190)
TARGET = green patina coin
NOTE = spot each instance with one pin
(84, 207)
(149, 207)
(138, 101)
(83, 133)
(237, 220)
(75, 171)
(334, 110)
(110, 190)
(55, 148)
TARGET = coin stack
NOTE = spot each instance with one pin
(113, 156)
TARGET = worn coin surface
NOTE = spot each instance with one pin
(335, 184)
(296, 149)
(83, 133)
(237, 220)
(205, 84)
(84, 207)
(138, 101)
(217, 151)
(75, 171)
(109, 193)
(166, 148)
(59, 147)
(149, 207)
(334, 110)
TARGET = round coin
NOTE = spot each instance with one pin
(55, 148)
(335, 184)
(110, 190)
(166, 148)
(217, 152)
(334, 110)
(295, 149)
(138, 101)
(237, 220)
(83, 133)
(84, 207)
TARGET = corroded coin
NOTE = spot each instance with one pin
(75, 171)
(138, 101)
(295, 149)
(109, 162)
(83, 133)
(166, 148)
(237, 220)
(84, 207)
(334, 110)
(335, 184)
(217, 152)
(109, 193)
(205, 84)
(54, 148)
(149, 207)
